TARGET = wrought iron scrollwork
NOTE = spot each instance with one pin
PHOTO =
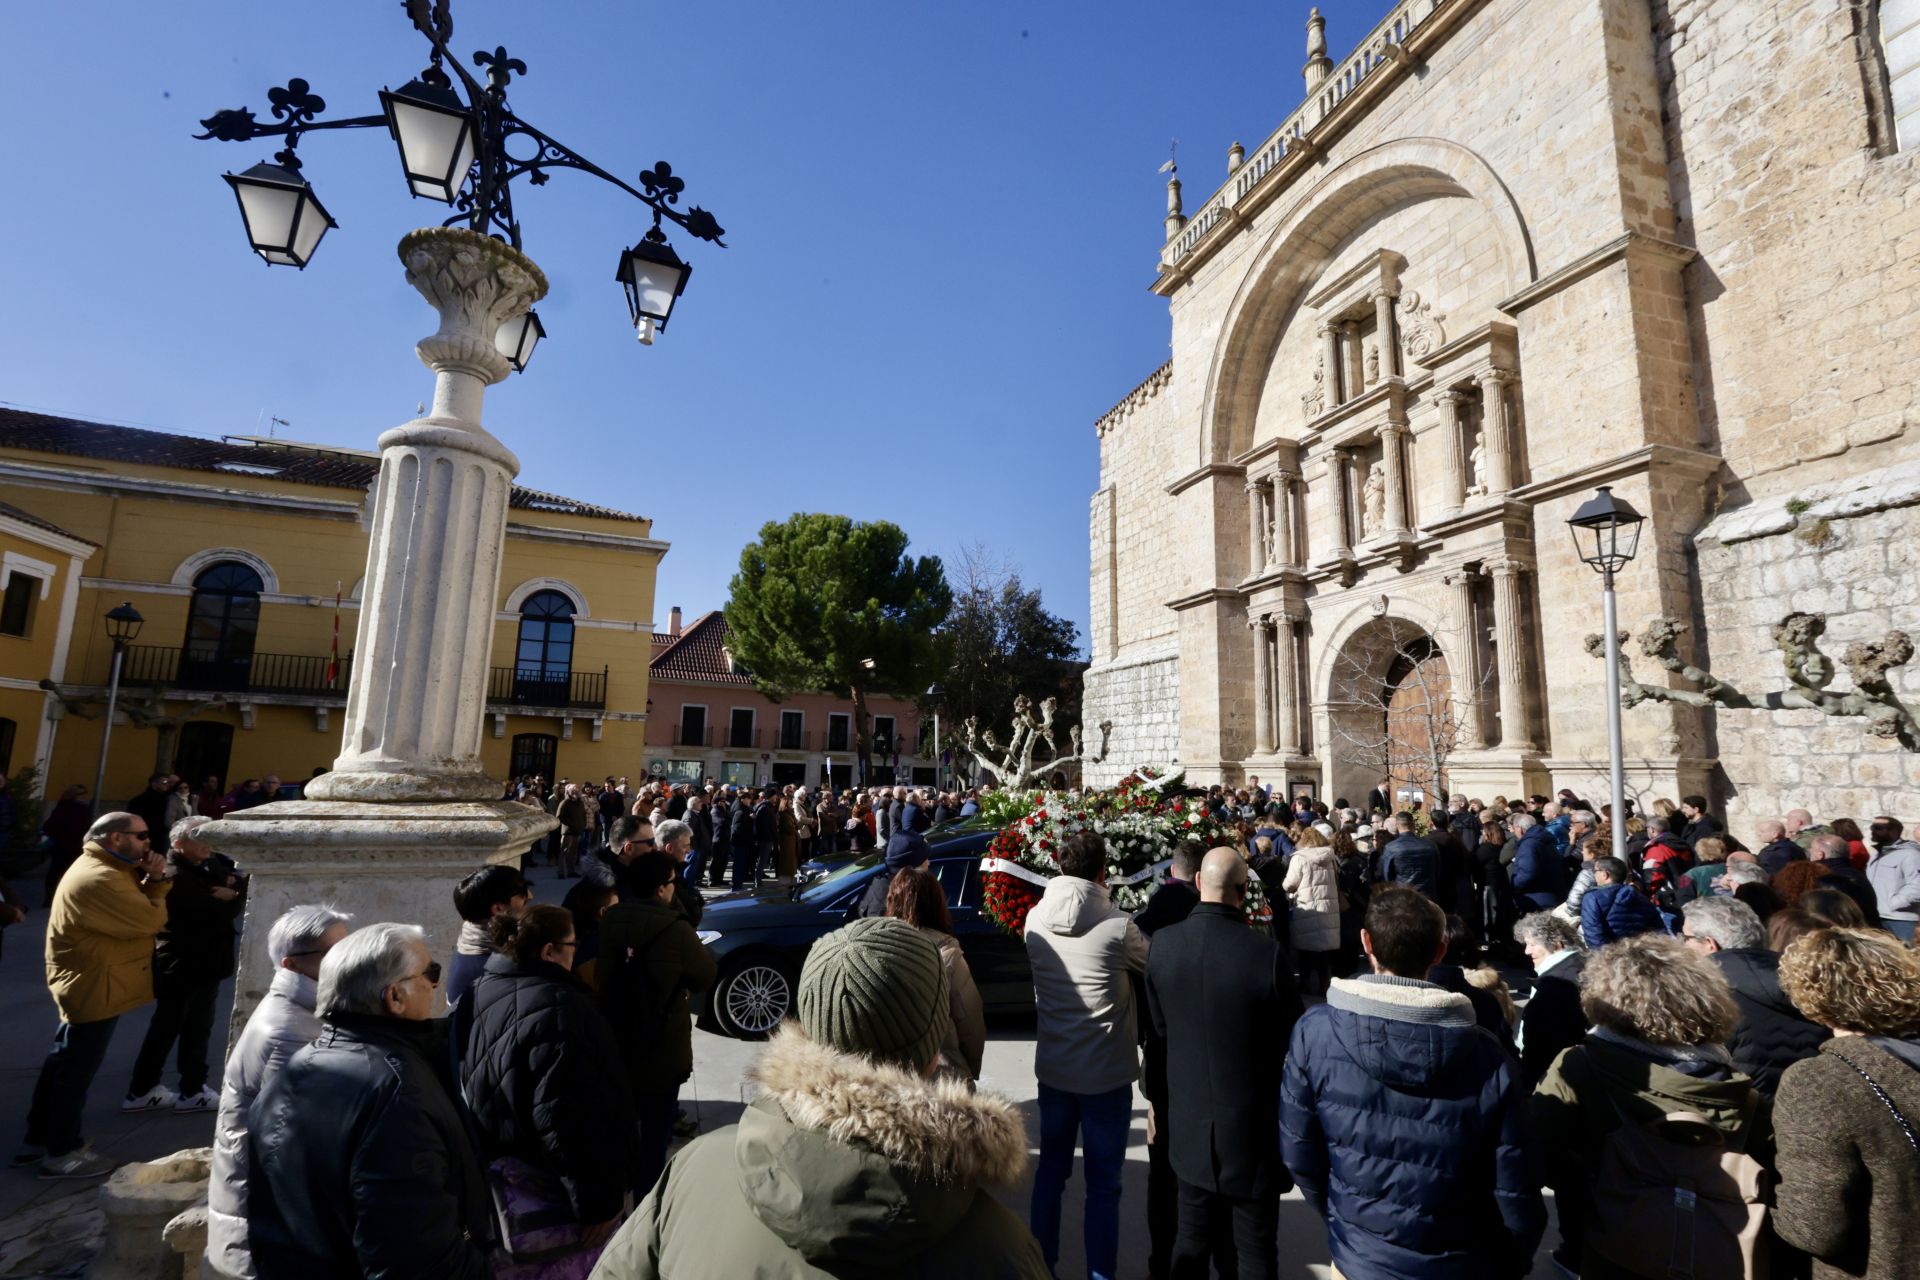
(485, 202)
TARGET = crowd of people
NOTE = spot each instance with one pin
(1713, 1064)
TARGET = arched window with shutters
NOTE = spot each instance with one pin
(543, 660)
(222, 624)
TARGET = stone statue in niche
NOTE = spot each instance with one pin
(1477, 466)
(1266, 528)
(1314, 402)
(1373, 363)
(1373, 501)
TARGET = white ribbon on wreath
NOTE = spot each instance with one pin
(1021, 871)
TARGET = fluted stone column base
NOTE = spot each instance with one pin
(395, 862)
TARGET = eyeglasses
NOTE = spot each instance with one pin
(573, 945)
(142, 835)
(431, 973)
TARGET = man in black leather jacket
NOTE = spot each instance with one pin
(360, 1161)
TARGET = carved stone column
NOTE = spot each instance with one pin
(1385, 334)
(1354, 373)
(1392, 452)
(1337, 387)
(408, 809)
(1496, 433)
(1286, 681)
(1262, 628)
(1510, 632)
(1337, 481)
(1468, 695)
(1286, 544)
(1256, 528)
(1456, 491)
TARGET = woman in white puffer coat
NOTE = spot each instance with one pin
(1313, 883)
(283, 1024)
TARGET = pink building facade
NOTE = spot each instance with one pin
(705, 720)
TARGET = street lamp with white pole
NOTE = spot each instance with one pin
(934, 695)
(1606, 531)
(123, 626)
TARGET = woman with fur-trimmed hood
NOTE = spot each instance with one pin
(852, 1162)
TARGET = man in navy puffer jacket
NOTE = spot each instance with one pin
(1539, 872)
(1614, 908)
(1404, 1123)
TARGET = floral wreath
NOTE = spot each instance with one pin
(1142, 818)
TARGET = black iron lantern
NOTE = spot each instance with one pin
(123, 624)
(434, 131)
(284, 219)
(934, 695)
(518, 337)
(1606, 530)
(654, 278)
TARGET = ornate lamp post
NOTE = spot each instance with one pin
(123, 627)
(1606, 531)
(408, 808)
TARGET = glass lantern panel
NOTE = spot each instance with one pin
(312, 225)
(269, 211)
(654, 286)
(433, 146)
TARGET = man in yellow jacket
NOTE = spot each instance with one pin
(110, 904)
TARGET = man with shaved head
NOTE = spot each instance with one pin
(1223, 997)
(1777, 848)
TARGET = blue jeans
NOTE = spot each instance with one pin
(60, 1094)
(1901, 929)
(1099, 1122)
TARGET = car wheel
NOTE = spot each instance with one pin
(755, 993)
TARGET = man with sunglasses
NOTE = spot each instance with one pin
(100, 930)
(358, 1160)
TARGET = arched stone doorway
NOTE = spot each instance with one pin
(1391, 713)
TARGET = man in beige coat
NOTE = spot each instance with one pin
(100, 930)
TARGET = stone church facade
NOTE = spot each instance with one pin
(1504, 253)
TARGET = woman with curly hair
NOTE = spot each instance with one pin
(1661, 1016)
(1849, 1117)
(1797, 879)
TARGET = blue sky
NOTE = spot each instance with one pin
(943, 219)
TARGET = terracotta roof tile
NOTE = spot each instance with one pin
(44, 433)
(27, 517)
(697, 654)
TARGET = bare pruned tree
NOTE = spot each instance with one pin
(1809, 672)
(1016, 767)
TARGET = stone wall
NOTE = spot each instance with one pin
(1132, 526)
(1805, 299)
(1853, 553)
(1141, 695)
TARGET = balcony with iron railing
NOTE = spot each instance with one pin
(1385, 44)
(544, 687)
(212, 670)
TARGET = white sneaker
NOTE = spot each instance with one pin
(205, 1100)
(158, 1098)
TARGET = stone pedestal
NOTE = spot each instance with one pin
(140, 1200)
(408, 809)
(1482, 775)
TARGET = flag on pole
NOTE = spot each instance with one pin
(333, 656)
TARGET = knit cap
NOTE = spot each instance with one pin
(876, 988)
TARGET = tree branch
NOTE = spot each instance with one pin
(1809, 672)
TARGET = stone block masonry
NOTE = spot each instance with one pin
(1141, 696)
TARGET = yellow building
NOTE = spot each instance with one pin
(233, 551)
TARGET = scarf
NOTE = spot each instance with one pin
(474, 940)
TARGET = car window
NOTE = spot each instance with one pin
(836, 881)
(952, 875)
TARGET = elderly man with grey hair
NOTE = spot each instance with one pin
(191, 958)
(675, 839)
(1831, 852)
(1552, 1020)
(1771, 1035)
(283, 1024)
(359, 1161)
